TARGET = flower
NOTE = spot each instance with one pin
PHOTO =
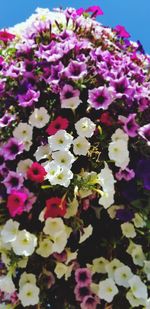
(128, 230)
(118, 152)
(45, 248)
(75, 70)
(60, 270)
(100, 98)
(29, 294)
(13, 181)
(42, 152)
(27, 278)
(126, 174)
(122, 275)
(24, 244)
(28, 98)
(95, 9)
(12, 148)
(61, 140)
(54, 226)
(23, 132)
(107, 290)
(134, 301)
(39, 118)
(7, 285)
(55, 207)
(81, 292)
(99, 265)
(144, 132)
(63, 158)
(59, 123)
(69, 97)
(9, 231)
(23, 166)
(129, 125)
(63, 177)
(36, 172)
(85, 127)
(16, 203)
(6, 36)
(121, 31)
(6, 120)
(81, 146)
(90, 302)
(112, 266)
(138, 288)
(83, 277)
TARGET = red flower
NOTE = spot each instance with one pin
(95, 9)
(59, 123)
(6, 36)
(121, 31)
(106, 119)
(16, 202)
(55, 207)
(36, 172)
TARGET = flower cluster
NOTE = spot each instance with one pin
(74, 164)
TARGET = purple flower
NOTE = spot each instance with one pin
(13, 181)
(143, 172)
(6, 120)
(145, 133)
(83, 276)
(69, 97)
(100, 98)
(90, 302)
(124, 215)
(129, 124)
(122, 87)
(30, 200)
(81, 292)
(143, 104)
(28, 98)
(126, 174)
(75, 70)
(12, 148)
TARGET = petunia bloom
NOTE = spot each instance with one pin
(6, 36)
(121, 31)
(100, 98)
(36, 172)
(144, 132)
(15, 203)
(55, 207)
(60, 123)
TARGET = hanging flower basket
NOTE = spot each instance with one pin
(74, 164)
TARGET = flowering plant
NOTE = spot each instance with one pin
(74, 164)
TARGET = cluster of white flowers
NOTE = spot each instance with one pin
(118, 149)
(107, 181)
(28, 291)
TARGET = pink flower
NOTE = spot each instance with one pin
(95, 9)
(5, 36)
(36, 172)
(83, 277)
(15, 203)
(121, 31)
(59, 123)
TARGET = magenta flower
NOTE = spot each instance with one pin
(126, 174)
(81, 292)
(15, 203)
(144, 132)
(6, 120)
(90, 302)
(83, 276)
(13, 181)
(28, 98)
(121, 31)
(95, 9)
(12, 148)
(129, 124)
(5, 36)
(121, 87)
(100, 98)
(75, 70)
(30, 199)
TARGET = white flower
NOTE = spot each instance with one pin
(27, 144)
(46, 248)
(118, 152)
(138, 255)
(138, 288)
(87, 232)
(128, 230)
(85, 127)
(54, 226)
(63, 177)
(5, 258)
(122, 275)
(6, 284)
(23, 166)
(107, 181)
(63, 158)
(29, 295)
(52, 169)
(120, 135)
(112, 266)
(72, 103)
(43, 152)
(61, 140)
(107, 199)
(60, 270)
(60, 241)
(113, 210)
(27, 278)
(71, 256)
(72, 208)
(147, 269)
(24, 243)
(23, 262)
(9, 231)
(107, 290)
(134, 301)
(23, 132)
(81, 146)
(99, 265)
(39, 118)
(138, 221)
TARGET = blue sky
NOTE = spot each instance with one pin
(133, 14)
